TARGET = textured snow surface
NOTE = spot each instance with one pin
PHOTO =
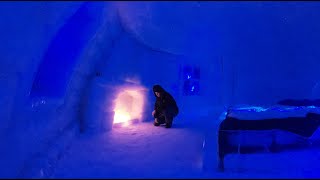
(144, 151)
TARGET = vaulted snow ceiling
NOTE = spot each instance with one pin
(201, 26)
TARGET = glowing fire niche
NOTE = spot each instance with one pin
(128, 106)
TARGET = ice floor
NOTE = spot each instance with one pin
(144, 151)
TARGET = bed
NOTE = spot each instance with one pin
(299, 117)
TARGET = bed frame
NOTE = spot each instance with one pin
(232, 127)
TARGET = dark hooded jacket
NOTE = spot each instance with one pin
(165, 101)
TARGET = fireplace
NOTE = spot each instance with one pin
(113, 104)
(129, 105)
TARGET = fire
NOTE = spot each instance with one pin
(128, 106)
(121, 117)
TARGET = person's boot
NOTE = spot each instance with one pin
(169, 120)
(155, 123)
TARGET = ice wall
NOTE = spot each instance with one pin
(26, 29)
(266, 51)
(131, 60)
(274, 51)
(32, 125)
(22, 48)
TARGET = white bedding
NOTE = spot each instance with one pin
(259, 112)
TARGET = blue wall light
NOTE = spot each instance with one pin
(191, 81)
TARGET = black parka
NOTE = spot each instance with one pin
(165, 101)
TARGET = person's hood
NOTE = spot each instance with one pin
(158, 88)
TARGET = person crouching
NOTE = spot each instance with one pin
(165, 107)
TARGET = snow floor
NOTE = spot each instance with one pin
(144, 151)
